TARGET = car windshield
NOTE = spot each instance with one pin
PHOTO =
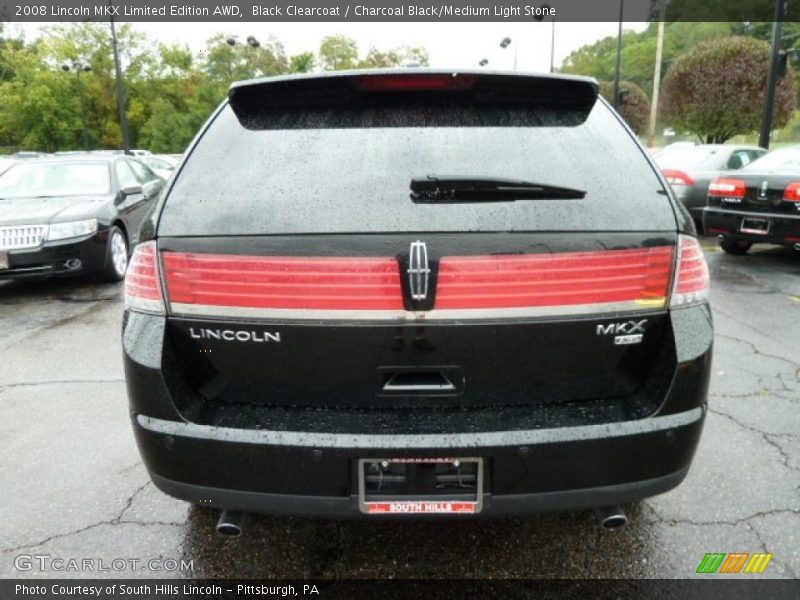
(158, 163)
(785, 159)
(55, 179)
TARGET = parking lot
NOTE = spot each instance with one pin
(70, 464)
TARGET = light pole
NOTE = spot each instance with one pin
(505, 43)
(619, 56)
(250, 42)
(539, 17)
(123, 118)
(81, 67)
(651, 127)
(772, 74)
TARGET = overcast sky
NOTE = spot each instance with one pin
(449, 44)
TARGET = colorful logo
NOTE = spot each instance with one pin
(735, 562)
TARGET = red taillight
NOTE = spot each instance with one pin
(677, 177)
(291, 282)
(414, 82)
(466, 286)
(729, 188)
(639, 275)
(142, 282)
(792, 192)
(692, 282)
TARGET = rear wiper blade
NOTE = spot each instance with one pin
(438, 189)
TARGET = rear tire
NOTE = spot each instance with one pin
(116, 256)
(737, 247)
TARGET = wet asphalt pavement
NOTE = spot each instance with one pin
(74, 486)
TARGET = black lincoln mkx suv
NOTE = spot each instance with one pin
(417, 293)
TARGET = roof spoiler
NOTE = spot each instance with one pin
(347, 90)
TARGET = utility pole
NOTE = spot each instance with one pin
(772, 76)
(123, 118)
(619, 57)
(651, 130)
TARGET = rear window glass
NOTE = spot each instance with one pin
(320, 178)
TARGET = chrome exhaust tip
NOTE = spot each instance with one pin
(230, 523)
(796, 247)
(611, 517)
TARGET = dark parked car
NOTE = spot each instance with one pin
(757, 204)
(375, 293)
(690, 170)
(72, 215)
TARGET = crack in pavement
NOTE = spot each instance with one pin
(717, 310)
(765, 435)
(118, 520)
(740, 521)
(755, 350)
(779, 561)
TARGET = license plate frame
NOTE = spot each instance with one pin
(421, 505)
(4, 262)
(754, 226)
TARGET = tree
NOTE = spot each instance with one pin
(416, 55)
(337, 52)
(168, 129)
(302, 63)
(170, 91)
(635, 106)
(396, 57)
(717, 89)
(639, 51)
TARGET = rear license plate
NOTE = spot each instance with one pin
(755, 226)
(3, 260)
(408, 486)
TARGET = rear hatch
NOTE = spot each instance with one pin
(382, 240)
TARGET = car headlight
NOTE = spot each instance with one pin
(73, 229)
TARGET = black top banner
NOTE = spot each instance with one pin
(396, 10)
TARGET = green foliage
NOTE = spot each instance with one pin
(302, 63)
(639, 51)
(166, 128)
(635, 108)
(716, 90)
(397, 57)
(170, 92)
(337, 52)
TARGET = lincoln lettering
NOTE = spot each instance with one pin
(229, 335)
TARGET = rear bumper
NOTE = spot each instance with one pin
(784, 229)
(52, 260)
(313, 470)
(493, 505)
(296, 473)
